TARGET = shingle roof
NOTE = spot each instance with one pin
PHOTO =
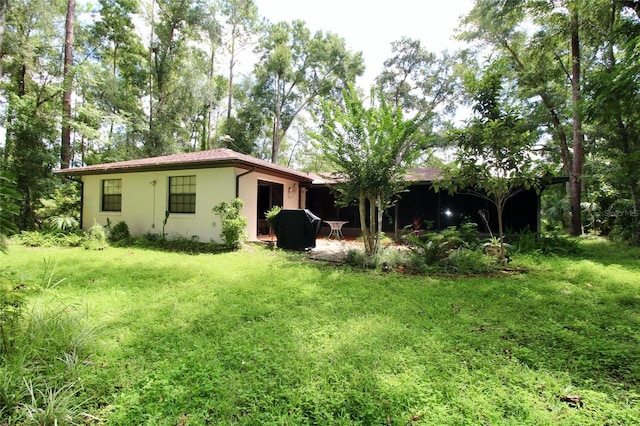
(221, 157)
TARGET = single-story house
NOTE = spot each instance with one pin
(188, 186)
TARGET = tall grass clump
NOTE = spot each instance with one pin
(44, 352)
(43, 373)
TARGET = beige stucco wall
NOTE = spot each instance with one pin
(249, 194)
(145, 200)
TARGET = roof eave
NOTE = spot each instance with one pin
(191, 165)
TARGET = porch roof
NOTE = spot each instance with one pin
(416, 175)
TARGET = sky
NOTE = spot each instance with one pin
(371, 26)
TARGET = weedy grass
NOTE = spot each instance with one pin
(263, 336)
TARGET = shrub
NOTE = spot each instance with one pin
(73, 238)
(625, 224)
(119, 232)
(233, 224)
(96, 237)
(62, 210)
(387, 259)
(465, 261)
(435, 246)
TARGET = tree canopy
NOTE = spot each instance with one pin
(371, 149)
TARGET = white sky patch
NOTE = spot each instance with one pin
(371, 26)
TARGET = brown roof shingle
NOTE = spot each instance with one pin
(221, 157)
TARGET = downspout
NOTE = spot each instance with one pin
(238, 180)
(81, 195)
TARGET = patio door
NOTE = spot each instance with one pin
(269, 194)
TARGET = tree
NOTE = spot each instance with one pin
(113, 84)
(32, 46)
(371, 150)
(242, 22)
(415, 79)
(67, 90)
(550, 45)
(295, 68)
(611, 108)
(178, 71)
(494, 156)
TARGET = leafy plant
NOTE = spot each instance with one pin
(233, 224)
(62, 209)
(11, 300)
(96, 237)
(434, 246)
(50, 239)
(8, 208)
(465, 261)
(119, 232)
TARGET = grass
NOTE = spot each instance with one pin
(267, 337)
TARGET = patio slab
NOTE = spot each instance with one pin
(334, 251)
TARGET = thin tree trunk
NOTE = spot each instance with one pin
(65, 149)
(575, 178)
(209, 106)
(379, 225)
(4, 6)
(362, 208)
(275, 146)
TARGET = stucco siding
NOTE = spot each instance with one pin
(248, 192)
(145, 198)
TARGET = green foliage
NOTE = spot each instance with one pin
(119, 232)
(51, 355)
(432, 247)
(176, 244)
(415, 79)
(233, 224)
(289, 54)
(466, 261)
(334, 345)
(61, 210)
(551, 243)
(370, 149)
(271, 213)
(50, 238)
(626, 225)
(44, 351)
(95, 238)
(11, 301)
(9, 201)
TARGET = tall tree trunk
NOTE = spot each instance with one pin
(275, 146)
(65, 149)
(153, 9)
(232, 62)
(575, 178)
(4, 6)
(209, 105)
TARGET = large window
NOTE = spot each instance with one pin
(182, 194)
(112, 195)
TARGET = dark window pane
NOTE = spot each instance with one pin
(112, 195)
(182, 194)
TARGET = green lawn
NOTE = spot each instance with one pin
(267, 337)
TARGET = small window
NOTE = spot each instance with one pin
(182, 194)
(112, 195)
